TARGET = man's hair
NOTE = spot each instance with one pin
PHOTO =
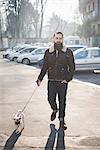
(58, 33)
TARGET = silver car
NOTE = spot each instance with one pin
(32, 57)
(87, 58)
(14, 49)
(14, 55)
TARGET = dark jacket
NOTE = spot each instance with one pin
(59, 64)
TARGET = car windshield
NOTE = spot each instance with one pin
(40, 51)
(27, 50)
(81, 55)
(74, 48)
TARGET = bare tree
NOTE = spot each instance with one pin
(22, 18)
(29, 19)
(57, 24)
(42, 4)
(12, 14)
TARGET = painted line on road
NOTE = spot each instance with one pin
(87, 83)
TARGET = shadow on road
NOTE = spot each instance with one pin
(10, 143)
(60, 145)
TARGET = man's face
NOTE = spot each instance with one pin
(58, 39)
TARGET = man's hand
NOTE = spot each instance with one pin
(38, 82)
(64, 81)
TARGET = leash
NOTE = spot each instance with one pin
(19, 115)
(29, 99)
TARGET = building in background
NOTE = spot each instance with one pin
(72, 40)
(91, 21)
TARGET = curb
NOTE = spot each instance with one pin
(87, 83)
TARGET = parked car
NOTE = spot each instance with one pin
(14, 49)
(14, 55)
(32, 57)
(87, 58)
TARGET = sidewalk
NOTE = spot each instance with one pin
(82, 112)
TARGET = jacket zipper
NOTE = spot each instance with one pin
(56, 64)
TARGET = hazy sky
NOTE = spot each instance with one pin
(63, 8)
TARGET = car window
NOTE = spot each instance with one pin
(95, 53)
(19, 49)
(39, 51)
(81, 55)
(24, 51)
(27, 50)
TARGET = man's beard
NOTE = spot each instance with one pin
(58, 46)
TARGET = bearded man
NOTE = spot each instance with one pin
(59, 63)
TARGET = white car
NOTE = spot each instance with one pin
(32, 57)
(14, 49)
(87, 58)
(14, 55)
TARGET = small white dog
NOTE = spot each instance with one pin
(19, 121)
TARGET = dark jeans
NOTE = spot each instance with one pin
(54, 88)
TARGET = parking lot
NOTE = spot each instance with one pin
(85, 58)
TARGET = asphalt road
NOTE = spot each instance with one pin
(87, 76)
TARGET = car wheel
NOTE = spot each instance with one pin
(3, 56)
(26, 61)
(40, 63)
(15, 59)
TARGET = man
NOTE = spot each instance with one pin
(59, 62)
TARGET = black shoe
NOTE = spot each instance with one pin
(63, 125)
(53, 115)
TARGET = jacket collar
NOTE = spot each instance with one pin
(51, 49)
